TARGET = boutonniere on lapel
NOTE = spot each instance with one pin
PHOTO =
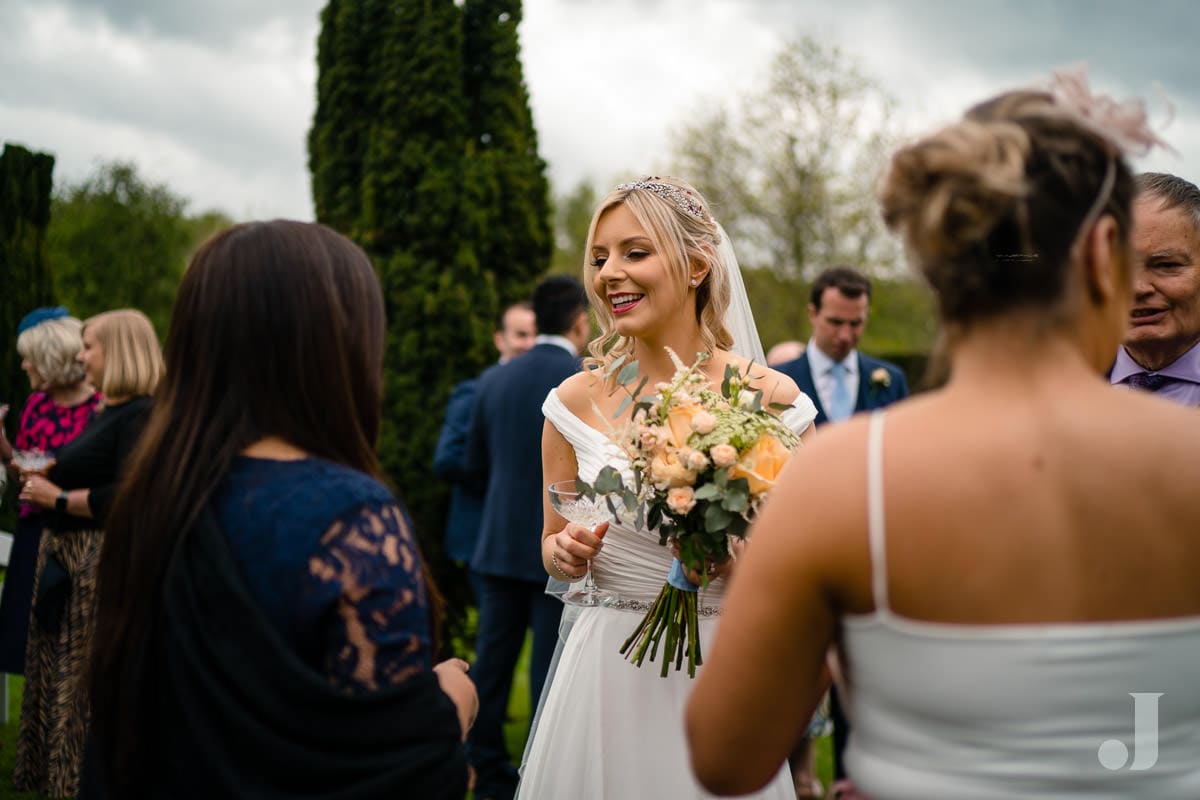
(881, 379)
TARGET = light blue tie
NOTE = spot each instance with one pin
(840, 405)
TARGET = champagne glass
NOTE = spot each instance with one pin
(33, 462)
(574, 506)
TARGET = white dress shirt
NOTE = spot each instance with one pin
(558, 341)
(822, 374)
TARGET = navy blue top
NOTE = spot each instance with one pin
(329, 556)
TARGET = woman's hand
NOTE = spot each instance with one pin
(573, 547)
(715, 569)
(37, 489)
(458, 686)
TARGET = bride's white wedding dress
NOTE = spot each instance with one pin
(609, 729)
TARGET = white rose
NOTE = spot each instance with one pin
(703, 423)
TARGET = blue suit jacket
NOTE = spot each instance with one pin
(870, 394)
(450, 464)
(506, 443)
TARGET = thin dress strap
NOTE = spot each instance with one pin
(875, 526)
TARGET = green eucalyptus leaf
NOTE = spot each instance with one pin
(615, 365)
(627, 374)
(608, 480)
(625, 401)
(708, 491)
(779, 406)
(612, 507)
(735, 501)
(716, 518)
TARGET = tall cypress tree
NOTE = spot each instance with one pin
(25, 187)
(397, 184)
(506, 169)
(338, 138)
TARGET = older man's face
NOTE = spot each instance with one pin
(1164, 321)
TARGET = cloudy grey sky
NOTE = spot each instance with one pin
(215, 98)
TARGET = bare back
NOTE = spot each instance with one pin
(1029, 510)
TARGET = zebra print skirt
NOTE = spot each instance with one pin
(55, 707)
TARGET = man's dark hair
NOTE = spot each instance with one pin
(525, 304)
(1173, 191)
(846, 280)
(557, 301)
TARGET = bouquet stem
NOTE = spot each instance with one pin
(673, 614)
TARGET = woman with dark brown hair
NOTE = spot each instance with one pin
(1014, 555)
(264, 624)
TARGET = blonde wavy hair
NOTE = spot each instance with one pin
(683, 238)
(133, 363)
(52, 347)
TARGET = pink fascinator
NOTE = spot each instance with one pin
(1125, 124)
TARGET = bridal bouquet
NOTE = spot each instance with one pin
(702, 463)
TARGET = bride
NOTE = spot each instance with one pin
(659, 274)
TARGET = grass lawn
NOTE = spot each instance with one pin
(8, 742)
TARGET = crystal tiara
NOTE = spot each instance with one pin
(680, 197)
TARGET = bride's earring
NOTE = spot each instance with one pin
(694, 281)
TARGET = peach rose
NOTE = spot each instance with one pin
(761, 464)
(667, 471)
(697, 460)
(680, 421)
(724, 455)
(681, 499)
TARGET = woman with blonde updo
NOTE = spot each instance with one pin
(660, 275)
(1011, 557)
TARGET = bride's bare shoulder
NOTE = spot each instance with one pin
(776, 387)
(579, 391)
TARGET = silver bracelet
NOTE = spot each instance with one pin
(558, 568)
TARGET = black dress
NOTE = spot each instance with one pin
(46, 426)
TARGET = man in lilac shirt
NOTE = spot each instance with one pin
(1162, 347)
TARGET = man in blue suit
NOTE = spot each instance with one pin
(514, 335)
(505, 442)
(841, 381)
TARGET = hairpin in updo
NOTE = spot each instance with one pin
(680, 197)
(1122, 123)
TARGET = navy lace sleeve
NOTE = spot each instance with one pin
(377, 633)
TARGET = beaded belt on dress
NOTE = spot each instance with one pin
(621, 604)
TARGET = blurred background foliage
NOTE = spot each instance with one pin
(423, 149)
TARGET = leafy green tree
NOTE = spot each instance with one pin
(572, 216)
(792, 168)
(504, 169)
(118, 241)
(25, 190)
